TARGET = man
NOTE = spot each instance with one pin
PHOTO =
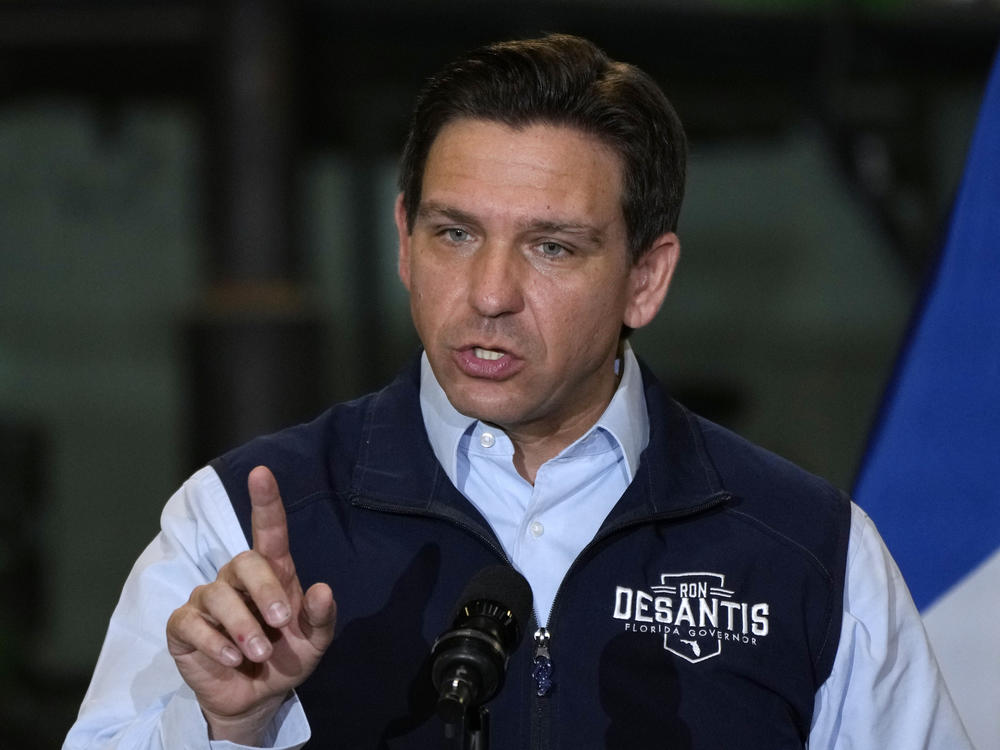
(691, 590)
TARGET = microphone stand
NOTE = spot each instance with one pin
(471, 733)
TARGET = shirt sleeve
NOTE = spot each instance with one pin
(137, 699)
(885, 689)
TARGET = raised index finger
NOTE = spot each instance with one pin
(267, 514)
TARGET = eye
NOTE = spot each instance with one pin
(456, 234)
(552, 249)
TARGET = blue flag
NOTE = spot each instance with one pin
(931, 478)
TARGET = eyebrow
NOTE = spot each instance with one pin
(428, 211)
(588, 232)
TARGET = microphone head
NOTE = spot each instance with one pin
(469, 660)
(499, 592)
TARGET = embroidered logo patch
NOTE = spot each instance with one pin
(695, 613)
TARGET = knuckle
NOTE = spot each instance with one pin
(212, 600)
(245, 557)
(182, 618)
(205, 593)
(174, 621)
(246, 567)
(198, 593)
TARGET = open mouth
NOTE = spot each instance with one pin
(491, 364)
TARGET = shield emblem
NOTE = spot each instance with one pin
(695, 594)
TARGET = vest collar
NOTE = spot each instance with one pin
(397, 471)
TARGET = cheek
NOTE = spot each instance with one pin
(431, 297)
(422, 308)
(598, 304)
(583, 322)
(422, 281)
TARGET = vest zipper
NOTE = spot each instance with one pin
(541, 670)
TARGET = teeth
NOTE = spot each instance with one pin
(486, 353)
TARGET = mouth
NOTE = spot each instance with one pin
(490, 364)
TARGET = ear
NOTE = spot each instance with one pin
(649, 280)
(404, 242)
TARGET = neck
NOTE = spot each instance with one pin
(532, 448)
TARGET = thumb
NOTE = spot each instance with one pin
(319, 616)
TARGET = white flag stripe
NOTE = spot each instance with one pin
(962, 627)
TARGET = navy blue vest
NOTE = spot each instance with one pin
(705, 614)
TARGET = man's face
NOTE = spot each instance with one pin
(518, 274)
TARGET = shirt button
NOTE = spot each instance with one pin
(487, 440)
(536, 528)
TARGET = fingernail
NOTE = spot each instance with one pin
(277, 613)
(257, 647)
(231, 655)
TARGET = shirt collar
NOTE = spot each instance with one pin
(625, 420)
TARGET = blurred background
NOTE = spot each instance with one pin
(196, 243)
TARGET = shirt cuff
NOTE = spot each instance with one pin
(183, 725)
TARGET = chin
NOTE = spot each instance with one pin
(492, 410)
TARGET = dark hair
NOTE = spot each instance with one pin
(562, 80)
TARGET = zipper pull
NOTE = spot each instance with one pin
(542, 669)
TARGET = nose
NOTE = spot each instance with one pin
(495, 286)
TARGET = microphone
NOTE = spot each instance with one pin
(469, 660)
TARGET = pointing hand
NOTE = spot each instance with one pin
(244, 641)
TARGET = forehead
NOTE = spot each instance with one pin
(544, 166)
